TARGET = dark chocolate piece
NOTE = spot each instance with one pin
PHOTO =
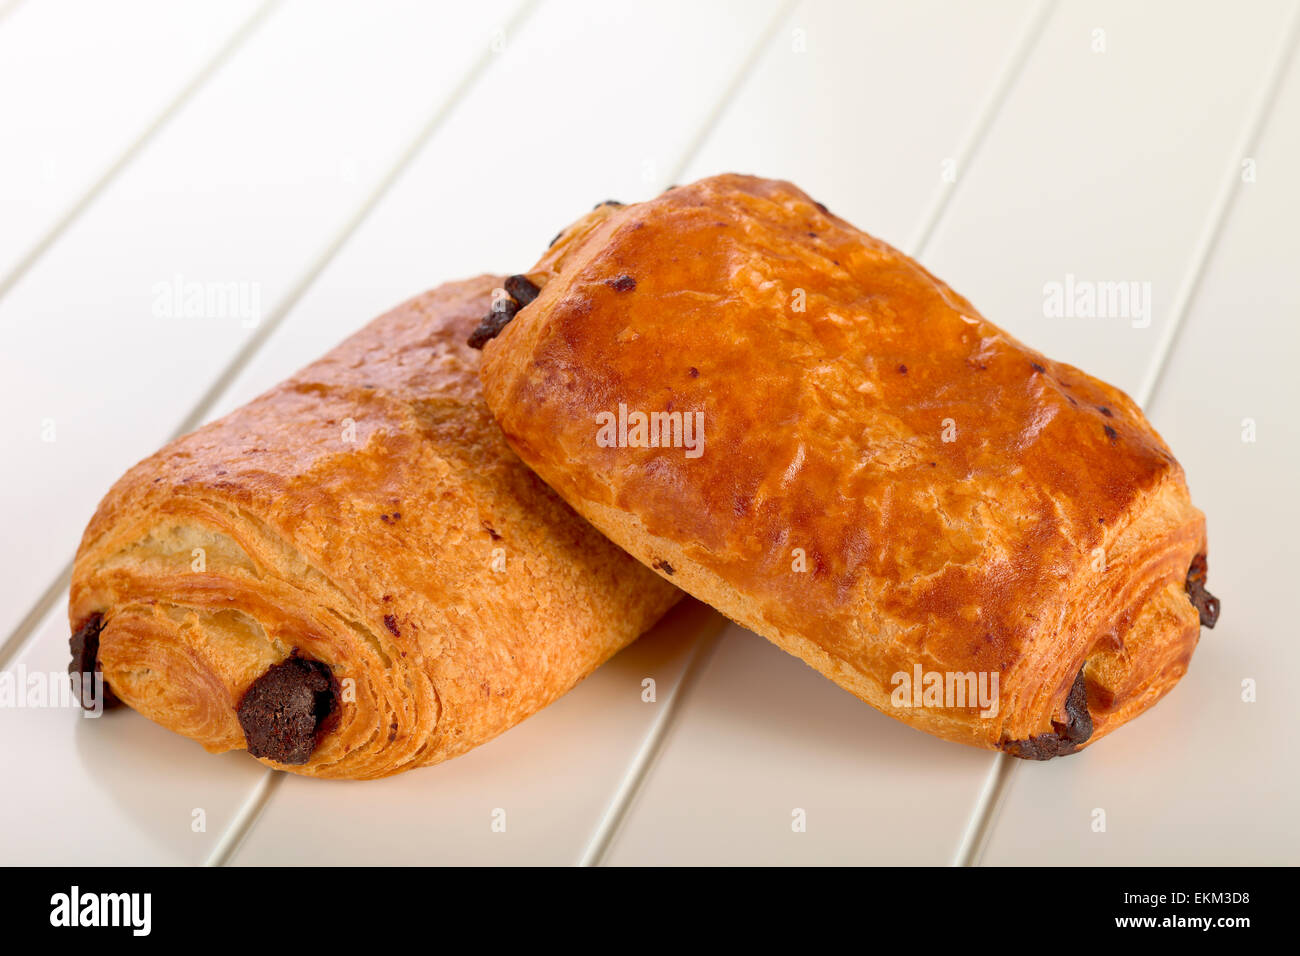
(621, 284)
(664, 566)
(496, 320)
(84, 644)
(287, 710)
(522, 289)
(1065, 737)
(1206, 604)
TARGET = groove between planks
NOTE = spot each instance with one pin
(1251, 133)
(644, 760)
(169, 112)
(240, 825)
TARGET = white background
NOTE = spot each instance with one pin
(338, 158)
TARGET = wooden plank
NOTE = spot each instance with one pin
(81, 83)
(1207, 778)
(1099, 164)
(1102, 166)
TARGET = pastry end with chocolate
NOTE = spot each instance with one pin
(84, 645)
(1066, 737)
(286, 711)
(1206, 604)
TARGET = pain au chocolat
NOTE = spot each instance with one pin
(353, 575)
(988, 545)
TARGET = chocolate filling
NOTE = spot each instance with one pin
(1206, 604)
(287, 710)
(84, 645)
(522, 289)
(492, 324)
(1065, 737)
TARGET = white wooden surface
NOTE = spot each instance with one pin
(338, 158)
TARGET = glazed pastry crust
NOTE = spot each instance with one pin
(367, 514)
(957, 501)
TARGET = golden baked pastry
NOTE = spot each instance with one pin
(352, 575)
(801, 426)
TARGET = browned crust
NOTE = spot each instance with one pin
(826, 365)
